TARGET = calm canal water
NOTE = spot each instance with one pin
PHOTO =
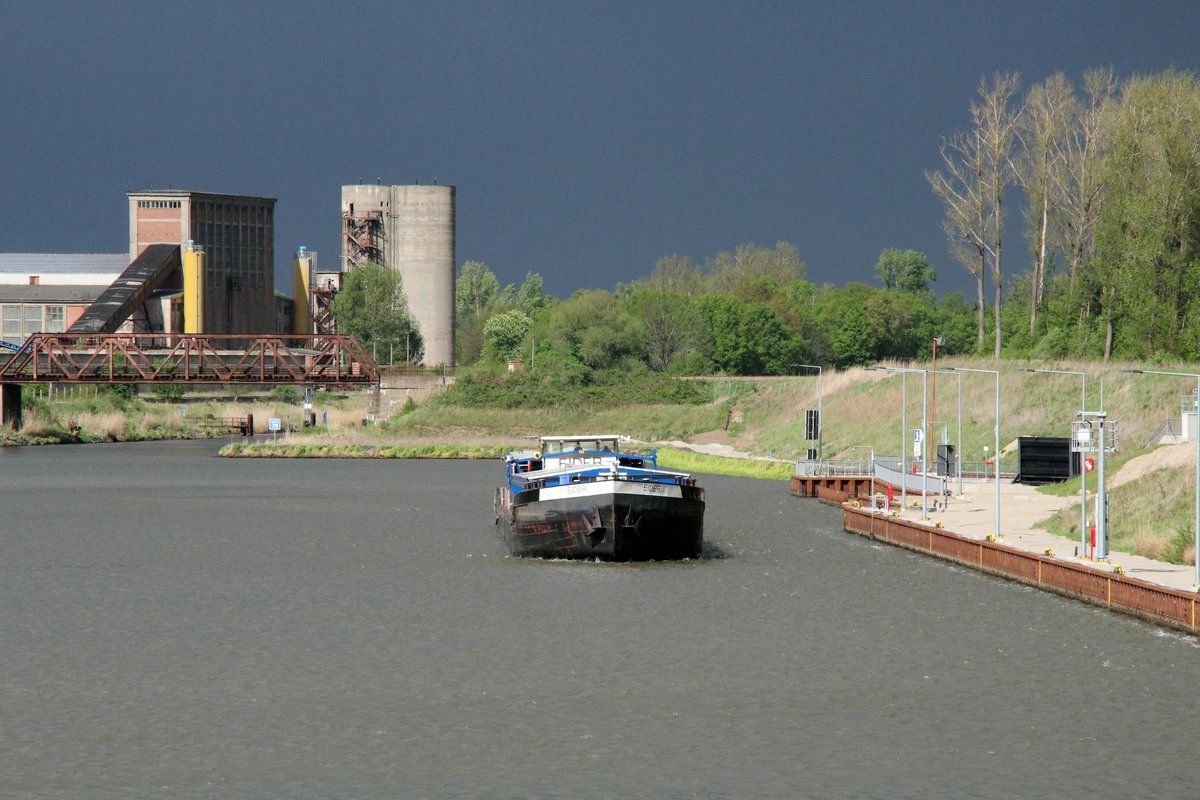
(177, 625)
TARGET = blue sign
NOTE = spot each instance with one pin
(274, 424)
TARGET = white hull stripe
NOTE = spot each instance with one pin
(610, 487)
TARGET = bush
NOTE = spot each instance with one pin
(285, 394)
(125, 391)
(169, 392)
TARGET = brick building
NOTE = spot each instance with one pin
(237, 234)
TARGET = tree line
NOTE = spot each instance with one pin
(1105, 178)
(746, 312)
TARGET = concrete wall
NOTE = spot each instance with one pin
(418, 242)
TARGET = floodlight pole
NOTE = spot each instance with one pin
(959, 457)
(1083, 532)
(958, 452)
(937, 340)
(872, 449)
(995, 372)
(1196, 436)
(904, 432)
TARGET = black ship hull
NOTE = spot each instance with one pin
(624, 522)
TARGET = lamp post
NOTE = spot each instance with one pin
(820, 416)
(1196, 436)
(903, 434)
(1083, 532)
(903, 430)
(931, 448)
(872, 449)
(959, 450)
(995, 457)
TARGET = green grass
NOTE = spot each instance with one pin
(1070, 488)
(641, 422)
(687, 461)
(1153, 517)
(360, 451)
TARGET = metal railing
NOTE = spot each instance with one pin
(1169, 427)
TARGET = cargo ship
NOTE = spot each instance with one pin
(581, 497)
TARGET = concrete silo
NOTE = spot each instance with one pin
(411, 230)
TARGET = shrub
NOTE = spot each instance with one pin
(285, 394)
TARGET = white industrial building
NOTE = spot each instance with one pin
(46, 292)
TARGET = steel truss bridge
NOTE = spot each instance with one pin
(327, 360)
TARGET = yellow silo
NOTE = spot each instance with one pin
(193, 288)
(303, 264)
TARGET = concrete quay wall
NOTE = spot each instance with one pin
(1103, 587)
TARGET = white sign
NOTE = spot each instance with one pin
(274, 424)
(918, 435)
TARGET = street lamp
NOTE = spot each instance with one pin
(937, 340)
(820, 416)
(995, 457)
(924, 426)
(1083, 533)
(1196, 436)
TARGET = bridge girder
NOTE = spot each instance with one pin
(330, 360)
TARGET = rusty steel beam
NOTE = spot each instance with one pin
(331, 360)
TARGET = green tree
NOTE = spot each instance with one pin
(906, 270)
(505, 332)
(371, 307)
(746, 338)
(475, 291)
(530, 297)
(668, 326)
(851, 337)
(1148, 238)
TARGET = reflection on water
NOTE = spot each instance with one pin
(177, 625)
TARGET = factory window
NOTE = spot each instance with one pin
(33, 320)
(18, 321)
(54, 319)
(10, 324)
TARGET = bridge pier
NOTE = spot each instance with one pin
(10, 405)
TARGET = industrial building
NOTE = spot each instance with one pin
(236, 234)
(48, 292)
(198, 262)
(409, 229)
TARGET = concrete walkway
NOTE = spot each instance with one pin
(972, 514)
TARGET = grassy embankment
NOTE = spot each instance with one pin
(762, 417)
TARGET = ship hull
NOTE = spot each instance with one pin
(611, 521)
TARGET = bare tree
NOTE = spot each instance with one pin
(1081, 192)
(1043, 136)
(995, 122)
(960, 187)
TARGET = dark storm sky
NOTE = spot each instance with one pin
(586, 140)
